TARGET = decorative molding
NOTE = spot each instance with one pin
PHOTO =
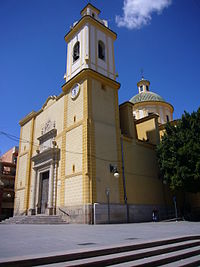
(84, 74)
(50, 134)
(28, 117)
(84, 20)
(48, 99)
(46, 155)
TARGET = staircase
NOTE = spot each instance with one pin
(177, 252)
(35, 219)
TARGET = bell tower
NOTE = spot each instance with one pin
(90, 44)
(91, 119)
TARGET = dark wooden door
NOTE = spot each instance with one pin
(44, 191)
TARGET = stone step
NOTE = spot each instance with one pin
(191, 261)
(162, 260)
(35, 219)
(166, 251)
(145, 257)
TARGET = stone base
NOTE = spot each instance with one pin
(76, 214)
(49, 211)
(31, 212)
(98, 213)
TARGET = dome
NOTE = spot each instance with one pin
(145, 97)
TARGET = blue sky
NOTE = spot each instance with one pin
(164, 41)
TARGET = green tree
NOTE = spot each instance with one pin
(179, 153)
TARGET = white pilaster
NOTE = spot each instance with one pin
(33, 196)
(50, 195)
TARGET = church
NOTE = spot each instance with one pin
(82, 155)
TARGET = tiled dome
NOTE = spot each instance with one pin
(145, 97)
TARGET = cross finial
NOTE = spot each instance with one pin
(142, 73)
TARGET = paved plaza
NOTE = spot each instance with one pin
(24, 240)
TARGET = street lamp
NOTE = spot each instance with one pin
(113, 169)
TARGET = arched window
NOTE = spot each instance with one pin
(101, 50)
(76, 51)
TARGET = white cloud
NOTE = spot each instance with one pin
(137, 13)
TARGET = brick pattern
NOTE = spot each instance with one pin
(19, 201)
(63, 153)
(25, 137)
(73, 190)
(118, 141)
(91, 148)
(22, 171)
(75, 107)
(29, 164)
(73, 150)
(86, 178)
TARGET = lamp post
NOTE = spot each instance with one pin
(108, 202)
(124, 184)
(114, 171)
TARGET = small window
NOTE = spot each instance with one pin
(74, 118)
(141, 88)
(101, 50)
(147, 87)
(73, 168)
(93, 15)
(167, 118)
(76, 51)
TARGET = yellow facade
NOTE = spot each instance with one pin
(72, 147)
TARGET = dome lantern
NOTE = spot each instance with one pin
(143, 85)
(146, 103)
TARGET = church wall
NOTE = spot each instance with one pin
(75, 109)
(51, 112)
(23, 168)
(74, 67)
(142, 109)
(141, 173)
(105, 67)
(73, 189)
(147, 130)
(105, 138)
(102, 64)
(110, 58)
(73, 151)
(25, 137)
(19, 201)
(22, 171)
(93, 49)
(103, 114)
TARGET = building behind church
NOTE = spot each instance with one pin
(7, 181)
(82, 155)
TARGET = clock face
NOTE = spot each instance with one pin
(75, 91)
